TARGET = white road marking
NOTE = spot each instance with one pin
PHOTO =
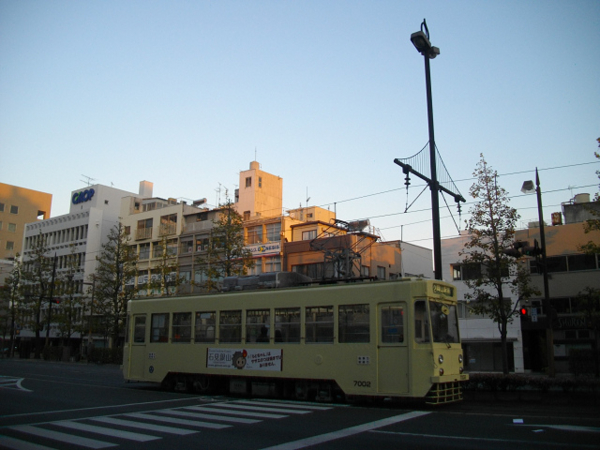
(236, 405)
(215, 408)
(63, 437)
(196, 415)
(327, 437)
(191, 423)
(143, 425)
(16, 444)
(113, 432)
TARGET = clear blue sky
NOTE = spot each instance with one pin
(328, 93)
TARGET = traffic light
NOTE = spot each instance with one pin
(528, 250)
(524, 311)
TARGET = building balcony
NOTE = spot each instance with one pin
(167, 229)
(143, 233)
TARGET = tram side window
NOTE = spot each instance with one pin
(205, 327)
(353, 323)
(257, 325)
(421, 322)
(160, 328)
(287, 325)
(319, 324)
(392, 324)
(139, 329)
(230, 326)
(182, 327)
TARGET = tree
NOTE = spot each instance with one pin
(593, 224)
(9, 300)
(226, 254)
(492, 230)
(116, 270)
(71, 304)
(165, 276)
(38, 286)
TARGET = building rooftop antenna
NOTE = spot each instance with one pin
(88, 181)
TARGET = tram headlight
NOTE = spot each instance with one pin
(460, 369)
(441, 371)
(441, 359)
(460, 359)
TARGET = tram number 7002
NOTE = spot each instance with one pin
(366, 384)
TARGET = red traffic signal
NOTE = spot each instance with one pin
(524, 311)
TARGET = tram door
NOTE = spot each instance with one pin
(137, 359)
(392, 368)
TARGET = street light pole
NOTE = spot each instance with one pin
(421, 42)
(548, 310)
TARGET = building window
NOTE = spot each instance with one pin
(187, 246)
(144, 229)
(272, 264)
(248, 181)
(259, 182)
(246, 215)
(12, 227)
(255, 235)
(381, 273)
(144, 251)
(14, 209)
(319, 324)
(466, 271)
(10, 245)
(160, 328)
(353, 321)
(205, 327)
(581, 262)
(315, 271)
(273, 232)
(309, 235)
(1, 207)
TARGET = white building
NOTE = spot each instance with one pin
(94, 210)
(480, 335)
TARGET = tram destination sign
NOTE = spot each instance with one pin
(443, 289)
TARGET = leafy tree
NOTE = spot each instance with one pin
(226, 255)
(38, 286)
(491, 228)
(165, 278)
(71, 304)
(9, 300)
(114, 277)
(593, 224)
(588, 302)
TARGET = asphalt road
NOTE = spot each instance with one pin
(72, 406)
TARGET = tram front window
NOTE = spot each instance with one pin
(444, 322)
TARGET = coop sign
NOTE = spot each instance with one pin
(83, 196)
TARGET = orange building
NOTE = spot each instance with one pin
(19, 206)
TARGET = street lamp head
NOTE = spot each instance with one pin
(528, 187)
(423, 46)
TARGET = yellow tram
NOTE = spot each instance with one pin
(372, 339)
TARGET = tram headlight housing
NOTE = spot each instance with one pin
(441, 359)
(441, 371)
(460, 358)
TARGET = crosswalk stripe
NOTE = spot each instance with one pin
(17, 444)
(177, 412)
(287, 405)
(259, 408)
(143, 425)
(191, 423)
(106, 431)
(213, 409)
(62, 437)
